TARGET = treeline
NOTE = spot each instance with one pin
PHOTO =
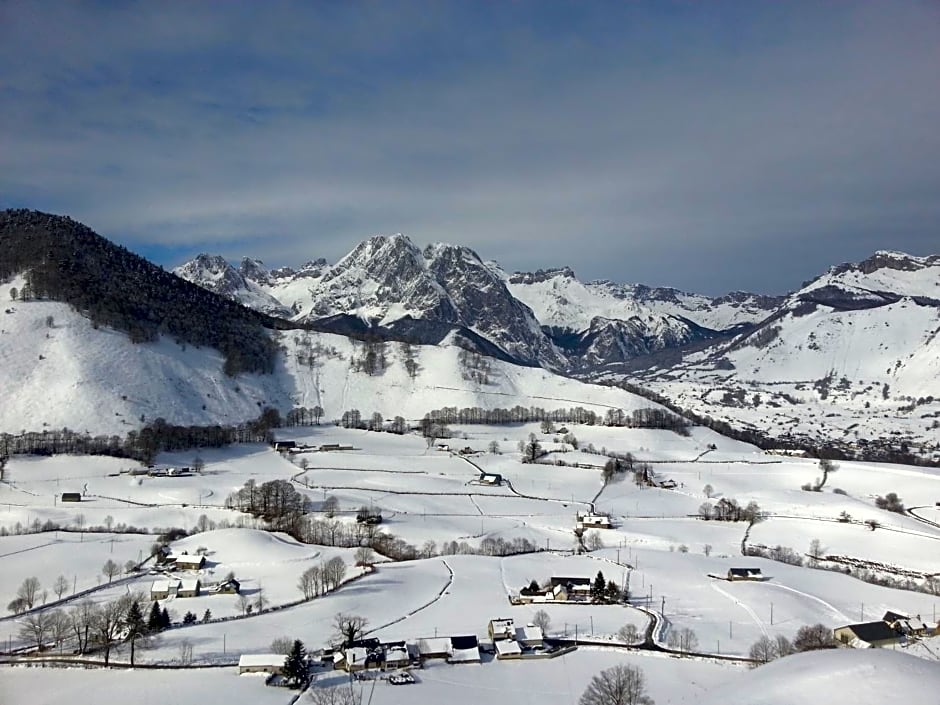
(143, 445)
(638, 418)
(276, 502)
(65, 261)
(517, 414)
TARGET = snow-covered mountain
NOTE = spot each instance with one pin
(387, 279)
(560, 300)
(853, 354)
(547, 318)
(214, 273)
(66, 372)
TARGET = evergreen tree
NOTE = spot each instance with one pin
(189, 618)
(164, 618)
(599, 586)
(136, 627)
(295, 665)
(207, 615)
(155, 621)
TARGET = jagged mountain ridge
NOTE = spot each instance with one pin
(545, 318)
(384, 280)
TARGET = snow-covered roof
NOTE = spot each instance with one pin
(356, 654)
(188, 559)
(434, 645)
(188, 584)
(507, 647)
(256, 660)
(530, 632)
(397, 653)
(501, 625)
(465, 655)
(165, 585)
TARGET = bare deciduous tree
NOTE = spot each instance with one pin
(763, 651)
(364, 556)
(81, 620)
(36, 627)
(542, 621)
(28, 591)
(309, 582)
(335, 695)
(110, 569)
(619, 685)
(282, 645)
(628, 633)
(812, 637)
(348, 628)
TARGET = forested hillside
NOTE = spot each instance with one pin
(63, 260)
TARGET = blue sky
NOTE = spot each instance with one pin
(711, 146)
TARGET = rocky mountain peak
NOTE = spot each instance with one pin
(541, 275)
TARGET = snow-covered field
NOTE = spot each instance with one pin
(659, 549)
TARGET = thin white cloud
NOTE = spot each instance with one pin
(711, 137)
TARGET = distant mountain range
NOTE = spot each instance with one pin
(546, 318)
(852, 357)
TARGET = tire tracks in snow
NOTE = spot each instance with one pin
(450, 581)
(757, 620)
(821, 601)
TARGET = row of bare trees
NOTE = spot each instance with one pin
(322, 578)
(91, 625)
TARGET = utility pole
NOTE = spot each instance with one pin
(771, 613)
(663, 608)
(730, 632)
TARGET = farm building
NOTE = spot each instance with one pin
(434, 647)
(188, 587)
(489, 478)
(228, 587)
(529, 636)
(162, 589)
(508, 648)
(745, 574)
(261, 663)
(186, 561)
(71, 496)
(464, 649)
(396, 655)
(869, 635)
(588, 520)
(501, 628)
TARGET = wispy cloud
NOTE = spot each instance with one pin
(706, 146)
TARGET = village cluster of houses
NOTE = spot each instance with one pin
(504, 639)
(188, 585)
(558, 589)
(893, 629)
(593, 520)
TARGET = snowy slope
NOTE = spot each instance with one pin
(73, 375)
(839, 677)
(560, 299)
(854, 354)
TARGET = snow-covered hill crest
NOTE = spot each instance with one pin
(68, 373)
